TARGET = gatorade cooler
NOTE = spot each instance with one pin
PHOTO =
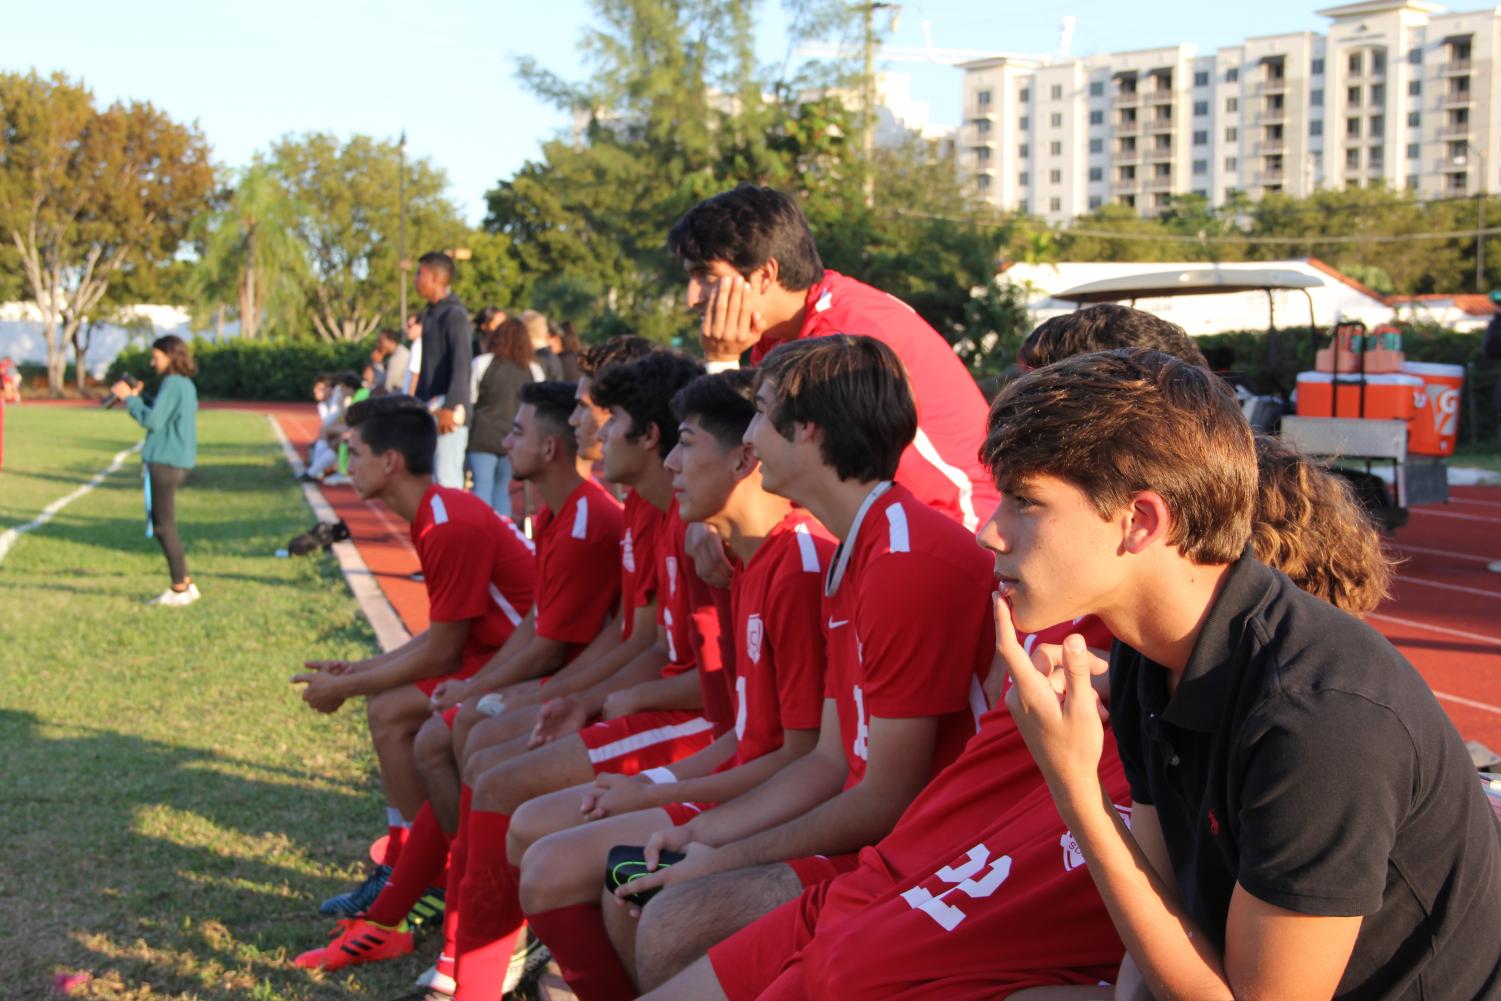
(1435, 428)
(1387, 397)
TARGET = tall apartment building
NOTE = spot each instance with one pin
(1396, 93)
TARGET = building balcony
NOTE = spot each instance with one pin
(1456, 66)
(1270, 116)
(1271, 146)
(1156, 155)
(1128, 128)
(1125, 184)
(1125, 156)
(1275, 175)
(1461, 131)
(1160, 125)
(1155, 183)
(1270, 86)
(1162, 95)
(1456, 98)
(1126, 99)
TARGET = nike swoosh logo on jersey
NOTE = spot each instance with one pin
(836, 625)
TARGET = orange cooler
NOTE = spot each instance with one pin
(1435, 428)
(1387, 397)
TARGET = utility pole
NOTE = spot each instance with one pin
(868, 10)
(1480, 228)
(401, 224)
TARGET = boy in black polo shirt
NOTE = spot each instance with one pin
(1307, 823)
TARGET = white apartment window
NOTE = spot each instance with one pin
(1057, 91)
(1415, 88)
(1412, 182)
(1354, 63)
(1055, 119)
(1231, 134)
(1230, 164)
(983, 126)
(983, 182)
(1200, 193)
(1097, 145)
(1316, 127)
(1023, 151)
(1378, 154)
(1415, 56)
(1201, 137)
(1316, 68)
(1201, 167)
(1055, 205)
(1096, 173)
(1024, 123)
(1097, 88)
(1414, 151)
(1378, 94)
(1232, 74)
(982, 153)
(1316, 97)
(1201, 78)
(1095, 201)
(1352, 159)
(1097, 118)
(1352, 128)
(1023, 179)
(1378, 125)
(1415, 119)
(1232, 104)
(1055, 177)
(1025, 95)
(1352, 96)
(983, 98)
(1201, 108)
(1378, 62)
(1055, 149)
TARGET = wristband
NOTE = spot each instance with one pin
(661, 776)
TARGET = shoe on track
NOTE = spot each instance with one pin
(356, 941)
(427, 912)
(359, 899)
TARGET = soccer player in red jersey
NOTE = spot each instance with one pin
(755, 275)
(780, 553)
(650, 708)
(479, 572)
(910, 640)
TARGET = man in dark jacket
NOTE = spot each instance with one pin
(443, 380)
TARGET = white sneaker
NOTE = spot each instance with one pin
(336, 480)
(437, 983)
(1494, 566)
(176, 599)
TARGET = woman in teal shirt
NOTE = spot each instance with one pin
(171, 424)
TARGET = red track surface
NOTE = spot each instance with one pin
(1444, 613)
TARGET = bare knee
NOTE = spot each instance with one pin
(544, 862)
(434, 746)
(390, 713)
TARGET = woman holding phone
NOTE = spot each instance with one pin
(171, 423)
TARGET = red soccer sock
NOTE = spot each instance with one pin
(422, 859)
(458, 858)
(396, 836)
(492, 919)
(581, 948)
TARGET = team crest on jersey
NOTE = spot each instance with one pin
(753, 633)
(672, 575)
(1072, 856)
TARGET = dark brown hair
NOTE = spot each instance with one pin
(616, 351)
(1105, 328)
(1310, 526)
(644, 389)
(1117, 422)
(747, 227)
(855, 391)
(180, 358)
(396, 422)
(509, 342)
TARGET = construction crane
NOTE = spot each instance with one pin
(929, 53)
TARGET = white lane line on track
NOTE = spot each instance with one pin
(10, 536)
(1486, 706)
(1473, 500)
(390, 632)
(1448, 587)
(1443, 552)
(1442, 630)
(1488, 519)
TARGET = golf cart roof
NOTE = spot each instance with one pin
(1193, 281)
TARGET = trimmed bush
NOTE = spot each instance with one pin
(253, 370)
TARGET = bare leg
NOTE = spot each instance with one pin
(696, 983)
(558, 765)
(621, 928)
(481, 761)
(395, 717)
(681, 923)
(566, 867)
(440, 774)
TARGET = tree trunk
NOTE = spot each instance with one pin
(250, 314)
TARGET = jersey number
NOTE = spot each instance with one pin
(862, 729)
(672, 649)
(962, 879)
(740, 708)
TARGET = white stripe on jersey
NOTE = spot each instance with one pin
(808, 550)
(440, 513)
(531, 546)
(581, 519)
(953, 474)
(649, 738)
(504, 605)
(896, 516)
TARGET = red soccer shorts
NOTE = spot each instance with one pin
(632, 744)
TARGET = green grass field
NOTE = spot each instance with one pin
(173, 813)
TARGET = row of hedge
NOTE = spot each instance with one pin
(285, 369)
(254, 370)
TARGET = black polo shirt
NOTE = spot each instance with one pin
(1303, 757)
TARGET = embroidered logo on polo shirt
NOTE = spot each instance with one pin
(753, 632)
(1214, 823)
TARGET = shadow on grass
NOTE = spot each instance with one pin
(156, 868)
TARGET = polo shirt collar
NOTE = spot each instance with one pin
(1220, 654)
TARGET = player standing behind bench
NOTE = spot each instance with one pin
(910, 640)
(479, 573)
(1306, 821)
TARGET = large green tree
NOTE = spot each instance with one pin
(345, 212)
(87, 193)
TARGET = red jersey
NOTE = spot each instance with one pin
(779, 641)
(694, 619)
(638, 563)
(578, 565)
(910, 626)
(476, 566)
(941, 467)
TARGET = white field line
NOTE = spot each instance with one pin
(1448, 587)
(1486, 706)
(390, 633)
(1442, 630)
(1430, 512)
(1473, 500)
(1399, 544)
(10, 536)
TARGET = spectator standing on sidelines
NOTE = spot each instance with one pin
(541, 335)
(499, 375)
(393, 357)
(443, 379)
